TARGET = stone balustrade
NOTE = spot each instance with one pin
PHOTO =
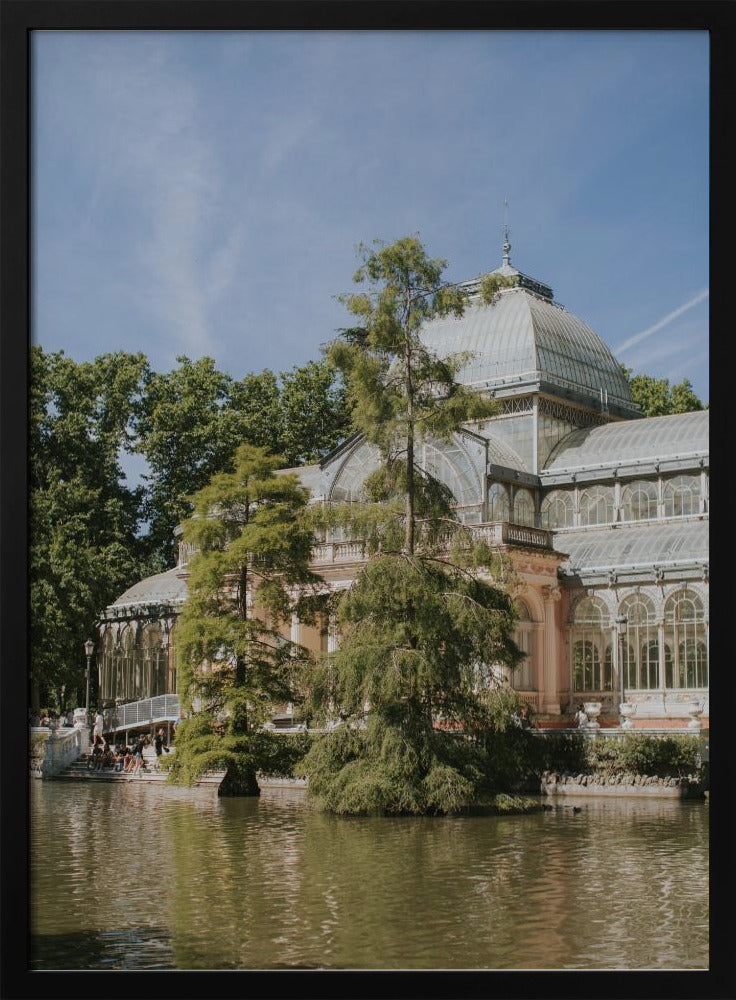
(52, 750)
(494, 533)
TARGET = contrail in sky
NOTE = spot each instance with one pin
(662, 322)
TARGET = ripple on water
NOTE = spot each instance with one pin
(153, 876)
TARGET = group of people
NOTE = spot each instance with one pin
(124, 758)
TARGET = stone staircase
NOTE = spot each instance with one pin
(79, 770)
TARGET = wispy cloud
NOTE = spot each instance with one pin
(153, 209)
(624, 345)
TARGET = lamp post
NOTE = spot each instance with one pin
(89, 648)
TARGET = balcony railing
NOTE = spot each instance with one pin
(162, 708)
(494, 533)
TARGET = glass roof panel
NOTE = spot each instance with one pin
(646, 544)
(654, 438)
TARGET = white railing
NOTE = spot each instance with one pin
(54, 749)
(162, 708)
(330, 552)
(494, 532)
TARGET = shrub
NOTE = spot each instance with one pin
(283, 752)
(635, 753)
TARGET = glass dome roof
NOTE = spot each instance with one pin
(163, 588)
(525, 337)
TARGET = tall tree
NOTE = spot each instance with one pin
(253, 551)
(419, 626)
(84, 520)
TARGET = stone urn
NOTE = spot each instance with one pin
(695, 710)
(626, 709)
(592, 709)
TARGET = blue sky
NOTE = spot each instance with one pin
(203, 192)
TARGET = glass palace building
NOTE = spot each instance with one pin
(603, 514)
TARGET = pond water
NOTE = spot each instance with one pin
(148, 876)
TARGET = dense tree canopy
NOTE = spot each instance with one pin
(250, 572)
(657, 398)
(84, 545)
(92, 533)
(191, 420)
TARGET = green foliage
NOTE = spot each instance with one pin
(657, 398)
(414, 633)
(282, 754)
(253, 551)
(491, 285)
(84, 520)
(419, 623)
(636, 753)
(398, 389)
(384, 769)
(514, 805)
(661, 756)
(189, 423)
(191, 420)
(314, 413)
(563, 753)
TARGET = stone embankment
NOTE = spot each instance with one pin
(688, 787)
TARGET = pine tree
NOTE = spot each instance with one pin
(253, 550)
(420, 626)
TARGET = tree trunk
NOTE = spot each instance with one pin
(409, 533)
(239, 782)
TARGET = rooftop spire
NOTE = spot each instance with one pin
(506, 244)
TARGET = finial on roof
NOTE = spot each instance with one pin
(506, 244)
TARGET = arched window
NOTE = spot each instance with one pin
(498, 502)
(639, 501)
(640, 650)
(522, 677)
(686, 648)
(107, 679)
(524, 508)
(557, 510)
(169, 649)
(592, 663)
(127, 663)
(348, 483)
(682, 496)
(154, 662)
(596, 505)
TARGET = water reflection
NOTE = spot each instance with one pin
(144, 876)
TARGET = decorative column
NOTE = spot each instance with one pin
(662, 664)
(617, 499)
(332, 642)
(703, 488)
(551, 694)
(294, 636)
